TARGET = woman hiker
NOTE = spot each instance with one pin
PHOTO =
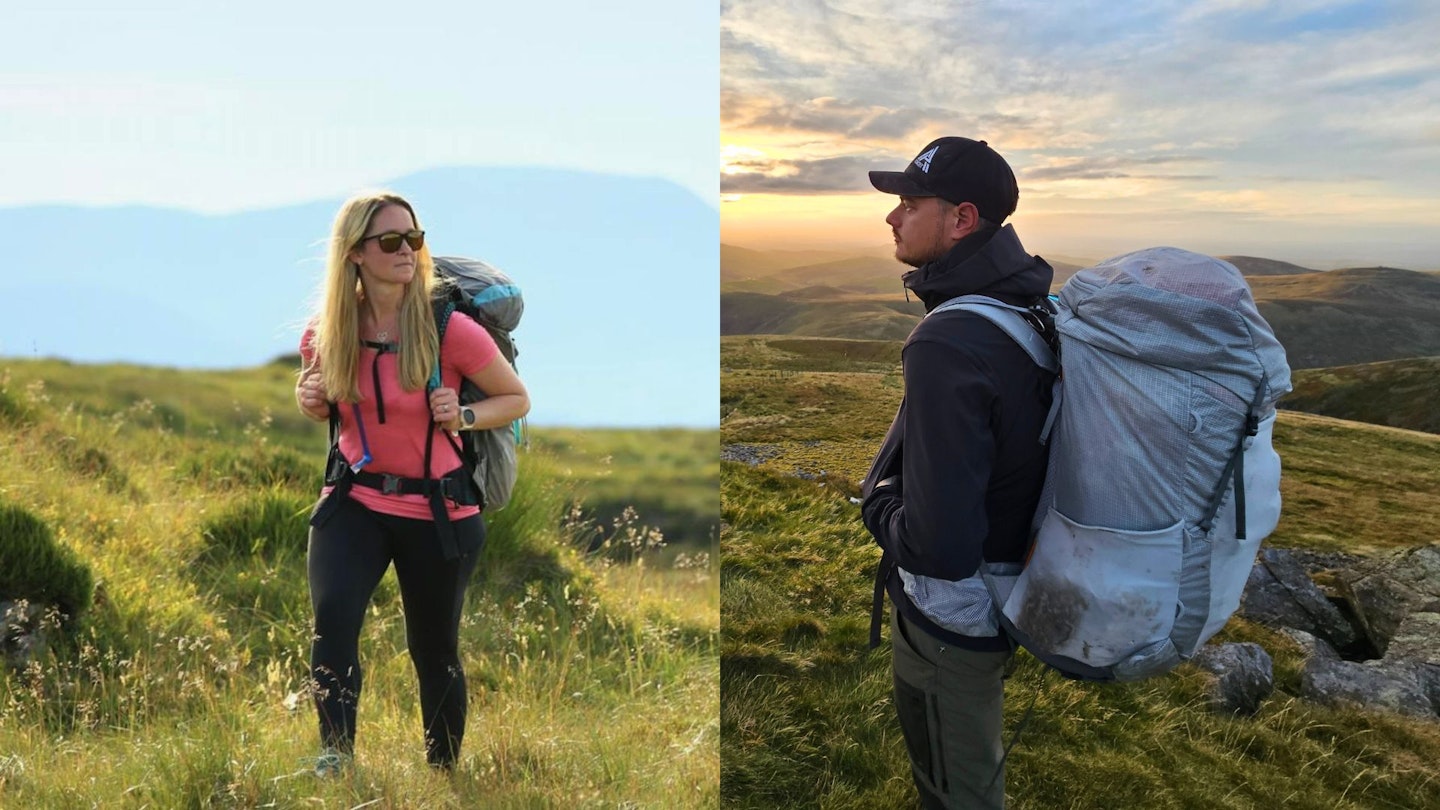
(396, 491)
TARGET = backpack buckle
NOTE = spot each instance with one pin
(389, 484)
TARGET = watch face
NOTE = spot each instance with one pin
(467, 416)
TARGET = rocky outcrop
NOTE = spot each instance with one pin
(22, 639)
(751, 454)
(1374, 643)
(1241, 676)
(1365, 685)
(1417, 638)
(1280, 594)
(1390, 591)
(1310, 646)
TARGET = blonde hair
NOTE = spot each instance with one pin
(337, 324)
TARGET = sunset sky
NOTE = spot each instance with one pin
(1306, 131)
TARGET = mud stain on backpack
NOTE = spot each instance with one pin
(1051, 613)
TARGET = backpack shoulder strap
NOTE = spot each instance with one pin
(442, 307)
(1011, 321)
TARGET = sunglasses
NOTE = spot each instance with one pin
(390, 242)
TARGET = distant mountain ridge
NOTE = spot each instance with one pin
(1255, 266)
(614, 271)
(1323, 318)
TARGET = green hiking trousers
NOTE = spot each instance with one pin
(950, 704)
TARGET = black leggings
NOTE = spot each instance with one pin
(347, 558)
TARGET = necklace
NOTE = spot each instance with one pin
(383, 335)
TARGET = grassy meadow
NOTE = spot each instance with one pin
(185, 495)
(806, 718)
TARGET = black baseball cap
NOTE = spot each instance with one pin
(957, 170)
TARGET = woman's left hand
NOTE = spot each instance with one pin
(445, 408)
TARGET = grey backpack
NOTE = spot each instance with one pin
(494, 301)
(1162, 479)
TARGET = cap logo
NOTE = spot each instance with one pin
(924, 160)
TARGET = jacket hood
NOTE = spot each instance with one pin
(997, 266)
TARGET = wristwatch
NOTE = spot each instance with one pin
(467, 417)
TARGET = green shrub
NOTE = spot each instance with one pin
(530, 523)
(263, 525)
(12, 411)
(34, 566)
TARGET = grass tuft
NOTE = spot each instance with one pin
(261, 525)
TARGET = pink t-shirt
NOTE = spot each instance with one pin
(397, 447)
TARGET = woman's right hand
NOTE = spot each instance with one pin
(310, 395)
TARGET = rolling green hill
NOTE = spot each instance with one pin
(806, 718)
(755, 313)
(1397, 393)
(183, 681)
(852, 275)
(862, 275)
(738, 263)
(1356, 315)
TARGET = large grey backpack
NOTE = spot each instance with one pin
(489, 297)
(1162, 478)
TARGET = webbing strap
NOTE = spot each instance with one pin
(438, 512)
(1235, 470)
(1057, 393)
(379, 392)
(1019, 727)
(337, 468)
(877, 607)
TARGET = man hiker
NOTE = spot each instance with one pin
(957, 480)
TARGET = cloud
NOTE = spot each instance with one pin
(847, 173)
(850, 119)
(1111, 167)
(1159, 106)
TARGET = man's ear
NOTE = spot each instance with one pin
(967, 220)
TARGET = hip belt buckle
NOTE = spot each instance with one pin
(389, 484)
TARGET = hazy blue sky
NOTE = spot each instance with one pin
(1306, 130)
(222, 106)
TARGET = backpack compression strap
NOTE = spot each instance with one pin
(1235, 470)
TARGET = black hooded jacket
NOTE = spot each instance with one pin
(959, 474)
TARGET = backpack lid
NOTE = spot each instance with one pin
(1171, 307)
(495, 299)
